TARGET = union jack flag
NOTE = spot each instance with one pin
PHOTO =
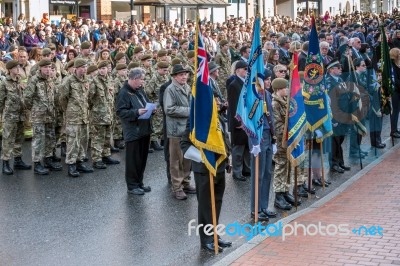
(206, 133)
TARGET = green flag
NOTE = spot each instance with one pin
(387, 75)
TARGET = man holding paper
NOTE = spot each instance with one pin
(131, 105)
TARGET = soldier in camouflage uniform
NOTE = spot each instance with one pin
(223, 59)
(101, 102)
(183, 50)
(73, 99)
(85, 53)
(46, 54)
(152, 89)
(190, 66)
(12, 107)
(59, 133)
(138, 52)
(40, 98)
(283, 199)
(122, 76)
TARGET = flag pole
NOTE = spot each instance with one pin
(256, 191)
(295, 186)
(214, 215)
(322, 165)
(310, 146)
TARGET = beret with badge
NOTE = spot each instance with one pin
(133, 65)
(46, 51)
(44, 62)
(86, 45)
(162, 52)
(79, 62)
(162, 64)
(103, 63)
(279, 83)
(146, 57)
(119, 56)
(91, 69)
(11, 64)
(137, 49)
(121, 66)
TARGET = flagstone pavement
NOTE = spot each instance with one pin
(372, 200)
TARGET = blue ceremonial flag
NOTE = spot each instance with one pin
(205, 128)
(295, 118)
(250, 109)
(315, 96)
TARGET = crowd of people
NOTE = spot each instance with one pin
(84, 86)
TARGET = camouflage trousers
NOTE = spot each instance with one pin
(157, 123)
(60, 127)
(43, 140)
(100, 147)
(13, 137)
(282, 179)
(77, 141)
(117, 128)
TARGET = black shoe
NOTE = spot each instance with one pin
(290, 199)
(344, 167)
(146, 188)
(337, 168)
(53, 166)
(305, 186)
(156, 146)
(395, 135)
(80, 167)
(270, 214)
(379, 146)
(39, 169)
(21, 165)
(6, 168)
(99, 165)
(318, 182)
(327, 182)
(210, 247)
(246, 174)
(136, 191)
(151, 150)
(110, 160)
(223, 243)
(114, 149)
(63, 149)
(281, 203)
(261, 216)
(239, 178)
(72, 172)
(301, 192)
(86, 159)
(119, 144)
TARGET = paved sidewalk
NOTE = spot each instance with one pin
(372, 200)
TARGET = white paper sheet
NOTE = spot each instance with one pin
(150, 107)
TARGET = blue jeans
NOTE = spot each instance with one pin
(264, 172)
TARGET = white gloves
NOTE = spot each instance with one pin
(318, 133)
(255, 150)
(274, 148)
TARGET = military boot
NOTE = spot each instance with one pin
(280, 202)
(109, 160)
(21, 165)
(119, 144)
(72, 170)
(55, 158)
(82, 168)
(50, 164)
(290, 198)
(114, 149)
(156, 146)
(6, 168)
(63, 149)
(39, 169)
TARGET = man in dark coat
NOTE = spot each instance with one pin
(131, 104)
(239, 140)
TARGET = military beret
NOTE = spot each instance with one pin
(162, 64)
(91, 69)
(69, 65)
(119, 56)
(44, 62)
(103, 63)
(190, 54)
(46, 51)
(146, 57)
(181, 42)
(79, 62)
(279, 83)
(137, 49)
(162, 52)
(86, 45)
(121, 66)
(223, 42)
(133, 65)
(176, 61)
(11, 64)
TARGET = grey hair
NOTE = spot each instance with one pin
(136, 73)
(343, 40)
(323, 44)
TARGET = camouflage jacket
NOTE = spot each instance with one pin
(40, 97)
(224, 61)
(279, 107)
(89, 59)
(11, 100)
(152, 88)
(74, 99)
(101, 101)
(182, 56)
